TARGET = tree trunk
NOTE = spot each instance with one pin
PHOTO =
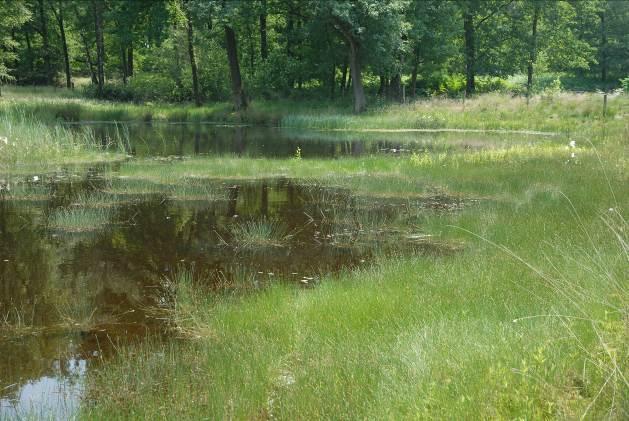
(176, 69)
(414, 73)
(239, 96)
(88, 57)
(98, 6)
(64, 44)
(45, 43)
(395, 87)
(130, 59)
(532, 52)
(251, 48)
(123, 65)
(264, 47)
(344, 78)
(383, 84)
(470, 52)
(332, 80)
(290, 23)
(193, 61)
(603, 49)
(29, 50)
(360, 102)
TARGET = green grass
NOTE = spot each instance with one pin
(80, 219)
(407, 339)
(259, 234)
(527, 320)
(531, 327)
(564, 112)
(29, 145)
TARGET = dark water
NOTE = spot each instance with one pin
(82, 258)
(178, 139)
(69, 295)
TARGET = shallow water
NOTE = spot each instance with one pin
(179, 139)
(72, 290)
(84, 256)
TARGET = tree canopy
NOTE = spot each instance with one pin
(206, 50)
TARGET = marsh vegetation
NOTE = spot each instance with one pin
(282, 209)
(442, 269)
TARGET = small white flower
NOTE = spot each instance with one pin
(35, 178)
(4, 140)
(573, 155)
(611, 209)
(572, 144)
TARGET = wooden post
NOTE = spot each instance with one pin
(605, 105)
(464, 96)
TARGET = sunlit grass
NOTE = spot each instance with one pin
(527, 319)
(25, 141)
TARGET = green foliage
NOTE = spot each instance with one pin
(13, 14)
(418, 45)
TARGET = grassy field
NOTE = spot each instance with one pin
(529, 320)
(555, 113)
(535, 330)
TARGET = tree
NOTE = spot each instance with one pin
(12, 16)
(476, 14)
(537, 10)
(264, 47)
(43, 31)
(98, 7)
(238, 92)
(369, 28)
(432, 33)
(193, 61)
(59, 16)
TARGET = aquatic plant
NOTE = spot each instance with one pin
(193, 189)
(259, 233)
(181, 295)
(78, 219)
(96, 199)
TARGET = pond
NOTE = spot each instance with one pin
(79, 263)
(181, 139)
(85, 256)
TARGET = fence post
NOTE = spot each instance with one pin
(605, 105)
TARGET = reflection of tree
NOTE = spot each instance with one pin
(24, 274)
(33, 357)
(117, 271)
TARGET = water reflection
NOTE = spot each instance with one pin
(68, 296)
(179, 139)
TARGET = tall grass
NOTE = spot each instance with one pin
(426, 336)
(560, 112)
(27, 141)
